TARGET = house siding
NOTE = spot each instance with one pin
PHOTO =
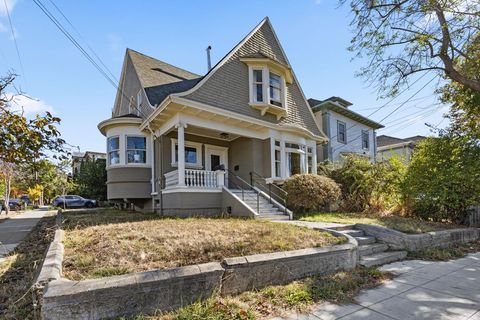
(130, 87)
(228, 87)
(335, 149)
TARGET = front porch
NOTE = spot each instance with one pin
(195, 179)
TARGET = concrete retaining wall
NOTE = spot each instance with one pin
(137, 293)
(261, 270)
(168, 289)
(415, 242)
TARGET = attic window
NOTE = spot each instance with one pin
(267, 90)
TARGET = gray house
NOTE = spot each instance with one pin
(181, 143)
(348, 131)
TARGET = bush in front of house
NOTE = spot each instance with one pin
(367, 186)
(308, 192)
(442, 181)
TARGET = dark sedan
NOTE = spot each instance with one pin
(14, 204)
(72, 201)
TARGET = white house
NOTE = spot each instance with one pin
(348, 132)
(389, 147)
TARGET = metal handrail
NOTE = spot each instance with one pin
(249, 187)
(256, 177)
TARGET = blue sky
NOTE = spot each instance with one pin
(314, 34)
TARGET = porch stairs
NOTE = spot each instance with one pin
(266, 210)
(371, 252)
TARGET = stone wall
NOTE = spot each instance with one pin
(168, 289)
(261, 270)
(415, 242)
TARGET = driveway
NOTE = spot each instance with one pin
(420, 290)
(13, 230)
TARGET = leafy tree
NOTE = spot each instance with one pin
(24, 140)
(442, 180)
(403, 37)
(464, 114)
(35, 193)
(91, 180)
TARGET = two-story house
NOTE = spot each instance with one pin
(182, 143)
(348, 132)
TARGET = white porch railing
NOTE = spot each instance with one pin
(196, 179)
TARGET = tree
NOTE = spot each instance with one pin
(24, 140)
(464, 114)
(442, 180)
(403, 37)
(91, 179)
(35, 193)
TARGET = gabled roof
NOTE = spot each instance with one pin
(159, 79)
(230, 75)
(339, 106)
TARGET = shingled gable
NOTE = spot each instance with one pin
(226, 86)
(157, 78)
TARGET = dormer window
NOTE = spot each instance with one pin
(275, 89)
(257, 85)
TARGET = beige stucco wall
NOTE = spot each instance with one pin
(128, 182)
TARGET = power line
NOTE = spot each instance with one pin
(396, 109)
(83, 39)
(14, 38)
(72, 39)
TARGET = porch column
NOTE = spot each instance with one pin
(314, 158)
(283, 159)
(181, 153)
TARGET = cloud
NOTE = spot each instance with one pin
(30, 106)
(3, 28)
(10, 5)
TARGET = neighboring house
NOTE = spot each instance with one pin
(171, 130)
(392, 146)
(79, 157)
(348, 131)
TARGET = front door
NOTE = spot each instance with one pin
(215, 156)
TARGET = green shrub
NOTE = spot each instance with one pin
(442, 181)
(368, 186)
(310, 191)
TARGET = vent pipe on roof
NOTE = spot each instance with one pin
(209, 61)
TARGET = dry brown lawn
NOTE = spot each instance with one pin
(108, 243)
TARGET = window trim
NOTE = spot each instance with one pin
(338, 131)
(279, 161)
(126, 149)
(367, 133)
(113, 150)
(254, 84)
(197, 145)
(265, 105)
(281, 88)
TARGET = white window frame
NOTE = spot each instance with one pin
(266, 87)
(113, 150)
(197, 145)
(281, 88)
(338, 131)
(279, 161)
(309, 157)
(367, 134)
(126, 149)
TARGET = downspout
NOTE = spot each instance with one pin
(374, 146)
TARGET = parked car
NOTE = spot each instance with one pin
(73, 201)
(26, 200)
(14, 204)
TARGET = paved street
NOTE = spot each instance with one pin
(13, 230)
(420, 290)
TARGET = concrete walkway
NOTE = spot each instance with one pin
(420, 290)
(16, 228)
(324, 225)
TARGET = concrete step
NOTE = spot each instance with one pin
(344, 227)
(378, 259)
(373, 248)
(273, 217)
(365, 240)
(354, 233)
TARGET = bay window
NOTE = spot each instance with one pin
(258, 85)
(136, 151)
(113, 149)
(275, 89)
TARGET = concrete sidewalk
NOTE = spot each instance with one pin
(420, 290)
(16, 228)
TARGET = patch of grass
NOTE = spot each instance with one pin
(272, 301)
(110, 242)
(444, 254)
(402, 224)
(17, 273)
